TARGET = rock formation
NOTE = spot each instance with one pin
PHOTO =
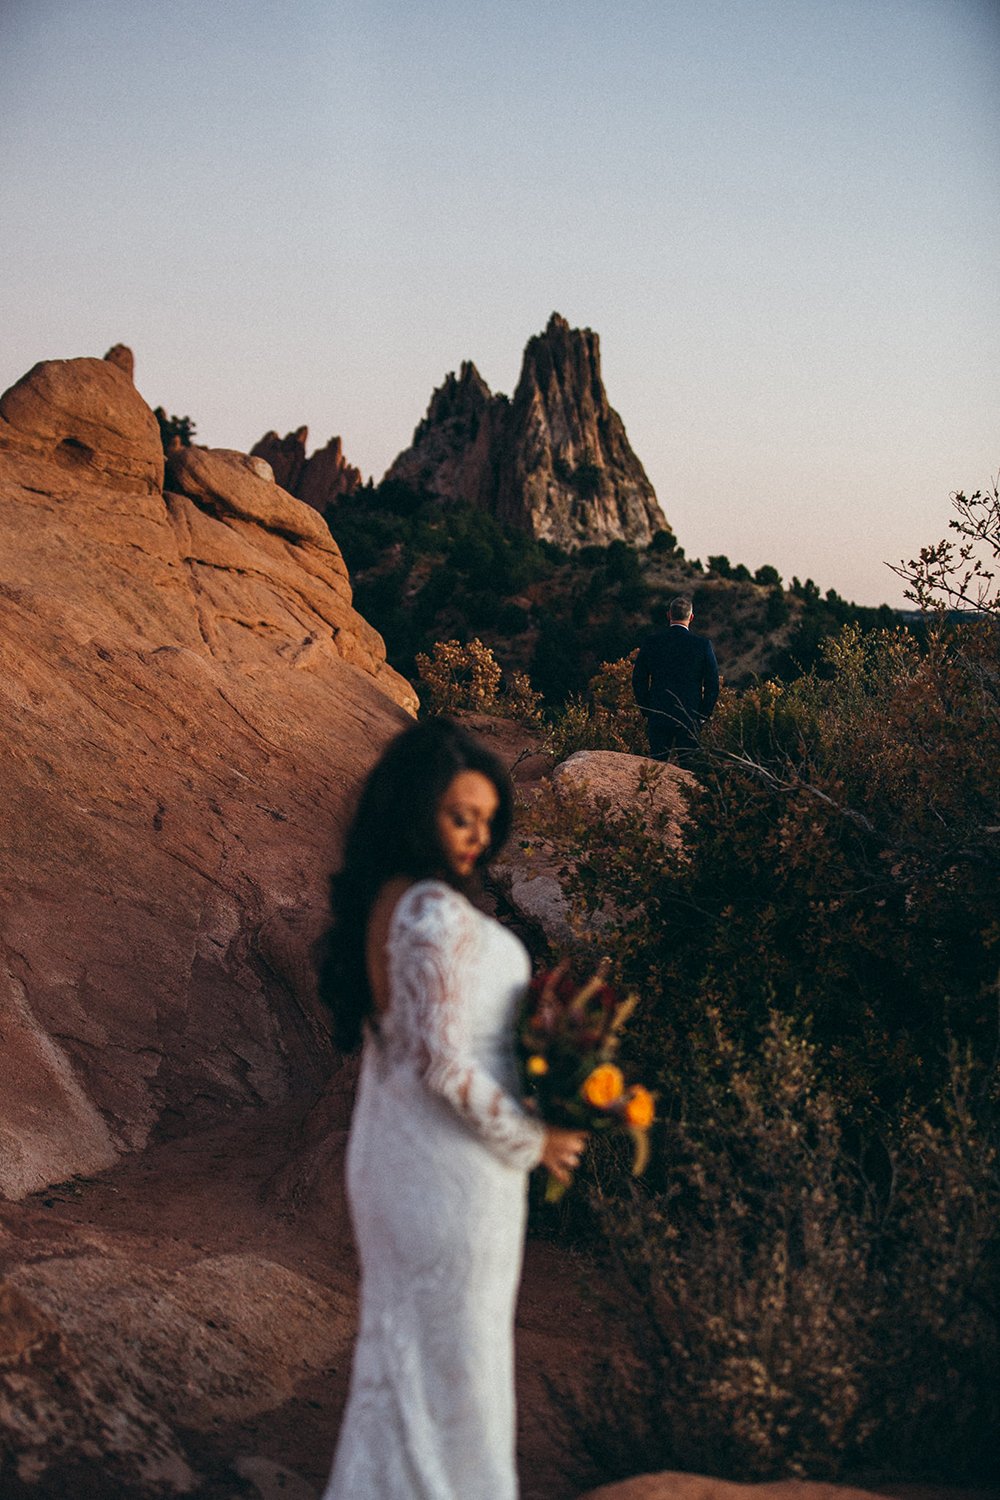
(286, 455)
(319, 481)
(457, 446)
(122, 356)
(554, 461)
(189, 700)
(568, 472)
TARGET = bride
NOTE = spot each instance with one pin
(440, 1147)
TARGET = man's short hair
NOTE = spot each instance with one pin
(681, 608)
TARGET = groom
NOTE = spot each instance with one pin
(676, 683)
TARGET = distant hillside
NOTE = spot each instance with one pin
(425, 570)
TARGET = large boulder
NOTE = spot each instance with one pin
(60, 1417)
(671, 1485)
(87, 417)
(105, 1360)
(189, 702)
(609, 784)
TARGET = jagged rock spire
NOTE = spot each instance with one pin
(555, 461)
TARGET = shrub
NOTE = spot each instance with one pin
(182, 428)
(457, 677)
(808, 1279)
(786, 1314)
(460, 677)
(777, 611)
(587, 480)
(513, 619)
(607, 718)
(556, 665)
(520, 701)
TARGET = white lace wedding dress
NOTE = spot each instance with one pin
(437, 1171)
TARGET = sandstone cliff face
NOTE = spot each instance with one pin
(188, 702)
(555, 461)
(321, 480)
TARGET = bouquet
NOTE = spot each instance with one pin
(567, 1040)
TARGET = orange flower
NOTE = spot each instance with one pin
(639, 1107)
(537, 1066)
(603, 1086)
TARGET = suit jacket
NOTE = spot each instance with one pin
(676, 674)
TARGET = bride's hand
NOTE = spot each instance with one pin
(563, 1149)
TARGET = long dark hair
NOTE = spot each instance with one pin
(393, 832)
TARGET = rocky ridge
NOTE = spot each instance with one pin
(555, 460)
(189, 700)
(320, 480)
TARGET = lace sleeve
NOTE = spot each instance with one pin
(434, 952)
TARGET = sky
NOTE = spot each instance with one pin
(779, 216)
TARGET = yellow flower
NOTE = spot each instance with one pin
(639, 1107)
(537, 1066)
(603, 1086)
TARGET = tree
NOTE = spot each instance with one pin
(174, 427)
(962, 576)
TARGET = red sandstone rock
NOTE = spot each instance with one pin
(57, 1410)
(86, 416)
(287, 455)
(327, 477)
(122, 356)
(674, 1486)
(228, 483)
(187, 703)
(319, 481)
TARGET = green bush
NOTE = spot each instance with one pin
(513, 618)
(182, 428)
(808, 1279)
(605, 718)
(787, 1314)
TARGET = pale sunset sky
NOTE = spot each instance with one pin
(779, 215)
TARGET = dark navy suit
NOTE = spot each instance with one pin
(676, 683)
